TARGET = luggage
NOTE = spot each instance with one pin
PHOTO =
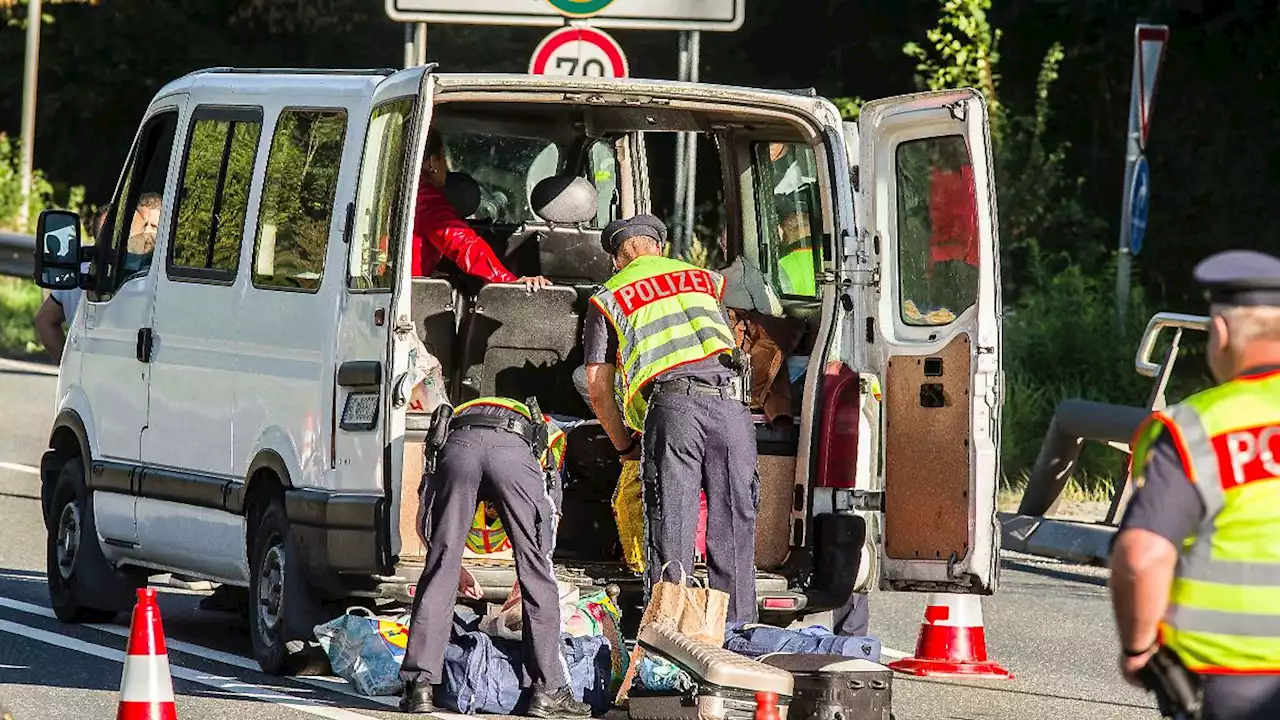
(725, 682)
(831, 687)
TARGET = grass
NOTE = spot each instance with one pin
(19, 300)
(1088, 491)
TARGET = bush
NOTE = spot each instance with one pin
(43, 194)
(19, 300)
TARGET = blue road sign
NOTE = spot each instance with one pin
(1139, 201)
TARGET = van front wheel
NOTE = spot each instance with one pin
(72, 552)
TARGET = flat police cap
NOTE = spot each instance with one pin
(1240, 278)
(619, 231)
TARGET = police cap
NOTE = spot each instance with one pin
(1240, 278)
(619, 231)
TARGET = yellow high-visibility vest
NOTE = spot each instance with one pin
(666, 313)
(1224, 606)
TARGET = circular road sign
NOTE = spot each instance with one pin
(1139, 202)
(579, 8)
(580, 52)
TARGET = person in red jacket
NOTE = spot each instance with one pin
(438, 230)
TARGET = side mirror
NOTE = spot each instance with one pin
(57, 252)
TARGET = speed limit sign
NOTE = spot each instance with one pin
(580, 52)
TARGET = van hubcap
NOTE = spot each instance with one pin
(271, 587)
(68, 539)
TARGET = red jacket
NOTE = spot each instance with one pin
(438, 232)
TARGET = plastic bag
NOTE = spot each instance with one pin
(658, 675)
(508, 623)
(426, 377)
(628, 512)
(366, 651)
(607, 618)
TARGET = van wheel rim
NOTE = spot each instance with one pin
(68, 539)
(271, 589)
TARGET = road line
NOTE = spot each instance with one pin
(226, 684)
(893, 654)
(16, 467)
(337, 685)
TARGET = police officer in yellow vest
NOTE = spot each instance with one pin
(659, 323)
(493, 448)
(1195, 568)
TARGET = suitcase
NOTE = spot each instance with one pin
(835, 687)
(725, 682)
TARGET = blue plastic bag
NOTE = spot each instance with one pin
(365, 651)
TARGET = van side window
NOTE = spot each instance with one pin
(214, 193)
(135, 218)
(297, 199)
(379, 199)
(789, 215)
(603, 172)
(937, 230)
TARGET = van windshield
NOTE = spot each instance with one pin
(506, 168)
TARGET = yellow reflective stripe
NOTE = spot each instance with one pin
(1206, 651)
(1226, 598)
(501, 402)
(693, 333)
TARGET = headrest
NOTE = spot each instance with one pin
(463, 193)
(564, 200)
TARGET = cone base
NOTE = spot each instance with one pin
(950, 668)
(146, 711)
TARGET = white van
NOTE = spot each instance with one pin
(232, 403)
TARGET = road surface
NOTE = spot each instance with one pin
(1050, 624)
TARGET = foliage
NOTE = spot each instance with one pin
(42, 192)
(849, 107)
(19, 300)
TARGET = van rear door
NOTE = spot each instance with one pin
(928, 207)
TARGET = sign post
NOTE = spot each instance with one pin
(1149, 42)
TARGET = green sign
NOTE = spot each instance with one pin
(579, 8)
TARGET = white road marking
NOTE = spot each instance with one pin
(226, 684)
(893, 654)
(16, 467)
(31, 367)
(337, 685)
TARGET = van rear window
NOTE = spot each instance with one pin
(297, 199)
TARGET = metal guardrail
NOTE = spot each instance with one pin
(1142, 362)
(16, 255)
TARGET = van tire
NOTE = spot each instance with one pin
(73, 556)
(272, 598)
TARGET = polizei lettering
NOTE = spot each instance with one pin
(633, 296)
(1248, 455)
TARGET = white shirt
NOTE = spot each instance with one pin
(69, 299)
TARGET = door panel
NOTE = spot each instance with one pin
(929, 207)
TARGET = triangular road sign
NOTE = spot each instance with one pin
(1148, 50)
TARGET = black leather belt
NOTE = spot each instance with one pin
(512, 423)
(695, 388)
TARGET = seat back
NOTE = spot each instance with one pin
(434, 305)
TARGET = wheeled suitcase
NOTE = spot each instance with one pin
(835, 687)
(725, 683)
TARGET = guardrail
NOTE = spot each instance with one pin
(16, 255)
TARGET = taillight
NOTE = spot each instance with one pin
(838, 441)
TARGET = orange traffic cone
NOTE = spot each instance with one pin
(952, 641)
(146, 689)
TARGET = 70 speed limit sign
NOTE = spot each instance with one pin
(580, 52)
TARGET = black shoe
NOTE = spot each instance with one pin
(558, 704)
(417, 698)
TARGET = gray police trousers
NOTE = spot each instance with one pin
(501, 465)
(702, 443)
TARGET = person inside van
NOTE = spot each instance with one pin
(143, 227)
(440, 232)
(60, 307)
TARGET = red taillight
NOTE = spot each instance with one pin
(779, 603)
(838, 441)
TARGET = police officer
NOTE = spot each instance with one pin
(493, 448)
(659, 322)
(1195, 569)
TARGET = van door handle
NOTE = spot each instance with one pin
(145, 342)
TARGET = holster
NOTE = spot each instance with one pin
(1177, 689)
(437, 436)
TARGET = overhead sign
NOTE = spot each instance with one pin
(707, 15)
(580, 52)
(1148, 52)
(1139, 203)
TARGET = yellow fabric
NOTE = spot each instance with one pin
(628, 512)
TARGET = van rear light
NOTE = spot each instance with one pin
(838, 438)
(779, 603)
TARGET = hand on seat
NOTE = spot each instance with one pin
(534, 283)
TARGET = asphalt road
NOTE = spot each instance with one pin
(1050, 624)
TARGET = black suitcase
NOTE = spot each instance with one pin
(835, 687)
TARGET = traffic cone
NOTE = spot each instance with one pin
(952, 641)
(146, 689)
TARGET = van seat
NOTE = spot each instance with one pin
(433, 306)
(567, 250)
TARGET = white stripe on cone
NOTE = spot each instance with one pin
(959, 610)
(146, 679)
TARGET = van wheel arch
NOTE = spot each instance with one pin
(67, 441)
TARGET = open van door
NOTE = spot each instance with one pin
(928, 204)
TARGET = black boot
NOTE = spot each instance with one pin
(417, 697)
(559, 704)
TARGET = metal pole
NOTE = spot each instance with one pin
(691, 147)
(30, 73)
(1133, 151)
(677, 225)
(409, 55)
(420, 43)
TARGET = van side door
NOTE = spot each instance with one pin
(928, 210)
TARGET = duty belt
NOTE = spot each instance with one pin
(695, 388)
(512, 423)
